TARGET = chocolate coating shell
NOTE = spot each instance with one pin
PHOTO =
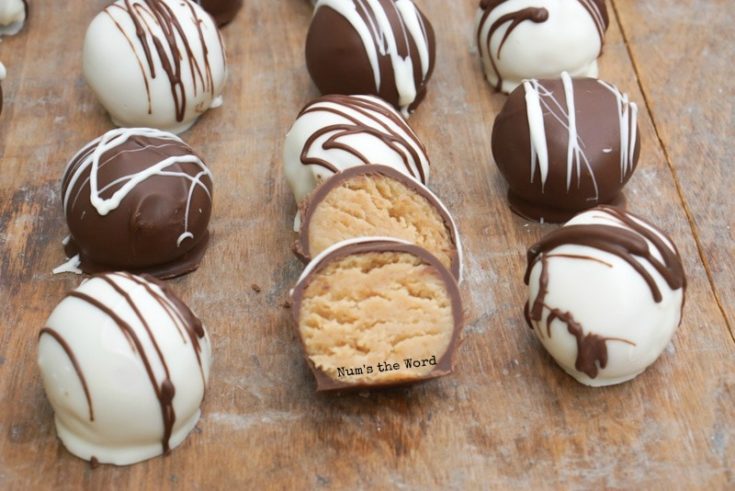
(445, 363)
(223, 11)
(580, 173)
(307, 208)
(159, 226)
(338, 61)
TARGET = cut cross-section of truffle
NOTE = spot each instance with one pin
(376, 200)
(375, 312)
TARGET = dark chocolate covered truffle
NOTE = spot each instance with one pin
(137, 199)
(565, 145)
(375, 312)
(380, 47)
(223, 11)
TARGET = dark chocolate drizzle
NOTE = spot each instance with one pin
(591, 348)
(538, 15)
(180, 315)
(371, 110)
(626, 243)
(622, 242)
(171, 48)
(74, 362)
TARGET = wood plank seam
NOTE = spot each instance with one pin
(677, 183)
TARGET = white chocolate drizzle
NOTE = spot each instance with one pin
(90, 158)
(537, 131)
(628, 116)
(540, 100)
(71, 266)
(370, 21)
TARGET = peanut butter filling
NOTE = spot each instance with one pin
(376, 318)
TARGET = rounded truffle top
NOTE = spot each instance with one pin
(336, 132)
(124, 363)
(565, 145)
(522, 39)
(380, 47)
(606, 293)
(138, 199)
(155, 63)
(13, 14)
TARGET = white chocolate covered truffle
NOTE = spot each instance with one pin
(525, 39)
(337, 132)
(606, 293)
(12, 16)
(125, 364)
(155, 63)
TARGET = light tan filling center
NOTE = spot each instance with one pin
(379, 206)
(376, 309)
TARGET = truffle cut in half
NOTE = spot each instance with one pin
(376, 312)
(377, 200)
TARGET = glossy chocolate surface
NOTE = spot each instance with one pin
(565, 145)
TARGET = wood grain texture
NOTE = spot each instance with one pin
(508, 418)
(694, 113)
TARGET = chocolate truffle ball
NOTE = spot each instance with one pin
(380, 47)
(125, 365)
(155, 63)
(375, 200)
(606, 293)
(13, 14)
(522, 39)
(137, 199)
(223, 11)
(565, 145)
(3, 73)
(337, 132)
(374, 312)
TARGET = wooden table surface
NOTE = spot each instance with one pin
(508, 417)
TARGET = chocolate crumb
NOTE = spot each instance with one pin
(94, 463)
(255, 287)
